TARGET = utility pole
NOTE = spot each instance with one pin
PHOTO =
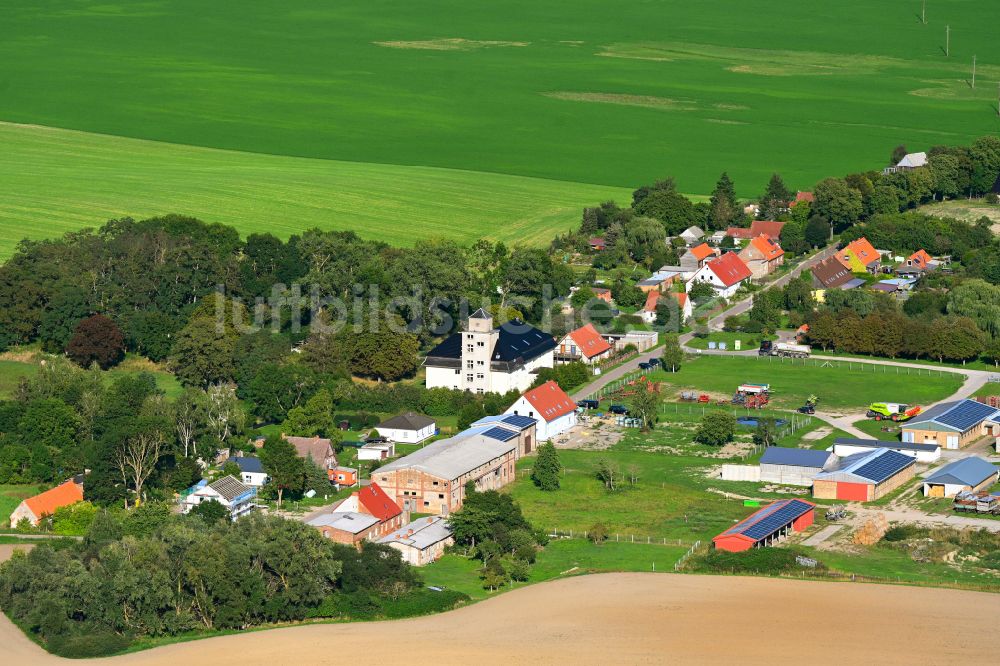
(973, 72)
(947, 40)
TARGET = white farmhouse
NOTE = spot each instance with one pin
(227, 491)
(725, 274)
(554, 411)
(483, 359)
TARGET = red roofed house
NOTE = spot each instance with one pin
(739, 233)
(921, 261)
(860, 256)
(597, 243)
(684, 305)
(648, 311)
(768, 228)
(367, 514)
(603, 294)
(584, 344)
(696, 257)
(762, 256)
(44, 504)
(804, 196)
(725, 274)
(319, 449)
(554, 411)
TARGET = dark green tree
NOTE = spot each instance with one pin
(717, 427)
(546, 470)
(283, 464)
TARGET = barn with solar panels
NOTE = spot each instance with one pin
(953, 425)
(766, 526)
(865, 477)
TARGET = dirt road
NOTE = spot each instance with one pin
(621, 619)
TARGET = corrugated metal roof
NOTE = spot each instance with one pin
(425, 533)
(451, 458)
(885, 444)
(347, 521)
(969, 471)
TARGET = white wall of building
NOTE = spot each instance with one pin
(544, 430)
(705, 274)
(407, 436)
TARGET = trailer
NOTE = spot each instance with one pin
(752, 396)
(977, 502)
(784, 349)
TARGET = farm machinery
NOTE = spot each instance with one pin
(892, 411)
(977, 502)
(694, 396)
(752, 396)
(810, 406)
(635, 386)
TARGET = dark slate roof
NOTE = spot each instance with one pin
(407, 421)
(516, 340)
(777, 455)
(969, 471)
(248, 464)
(885, 444)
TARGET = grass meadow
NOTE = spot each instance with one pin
(385, 94)
(840, 385)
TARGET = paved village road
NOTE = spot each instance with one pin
(715, 322)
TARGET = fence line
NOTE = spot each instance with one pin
(556, 533)
(859, 366)
(679, 563)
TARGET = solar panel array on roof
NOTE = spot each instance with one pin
(500, 434)
(884, 466)
(519, 421)
(770, 519)
(966, 414)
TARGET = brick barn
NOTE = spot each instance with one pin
(865, 477)
(767, 525)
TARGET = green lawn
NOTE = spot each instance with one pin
(838, 385)
(747, 340)
(11, 496)
(614, 94)
(993, 388)
(11, 373)
(562, 557)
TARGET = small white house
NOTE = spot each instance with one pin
(408, 428)
(554, 411)
(228, 491)
(251, 471)
(849, 446)
(422, 541)
(725, 274)
(377, 451)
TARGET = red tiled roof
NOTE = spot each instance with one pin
(45, 504)
(589, 341)
(377, 503)
(681, 297)
(863, 250)
(729, 268)
(768, 228)
(767, 247)
(702, 251)
(741, 233)
(920, 258)
(804, 196)
(597, 241)
(550, 401)
(651, 300)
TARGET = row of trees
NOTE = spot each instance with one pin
(167, 574)
(154, 280)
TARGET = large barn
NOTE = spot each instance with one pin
(865, 477)
(767, 525)
(953, 425)
(793, 467)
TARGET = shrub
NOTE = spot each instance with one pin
(755, 560)
(94, 643)
(598, 533)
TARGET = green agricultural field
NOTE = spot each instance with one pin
(610, 94)
(100, 177)
(11, 373)
(838, 385)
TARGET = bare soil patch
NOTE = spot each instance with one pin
(625, 618)
(647, 101)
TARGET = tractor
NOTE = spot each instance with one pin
(810, 406)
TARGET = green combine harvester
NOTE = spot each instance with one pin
(892, 411)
